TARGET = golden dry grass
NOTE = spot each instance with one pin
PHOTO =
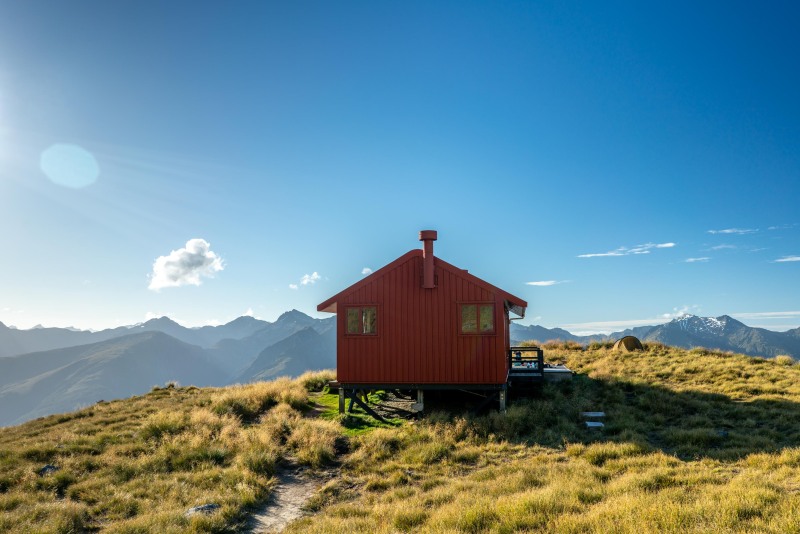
(137, 465)
(695, 441)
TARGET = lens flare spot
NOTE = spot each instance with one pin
(69, 166)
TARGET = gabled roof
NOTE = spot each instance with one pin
(514, 303)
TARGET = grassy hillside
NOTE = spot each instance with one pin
(137, 465)
(695, 441)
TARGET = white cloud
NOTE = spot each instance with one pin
(782, 227)
(696, 260)
(307, 279)
(723, 247)
(618, 252)
(775, 320)
(607, 327)
(366, 270)
(248, 313)
(545, 283)
(787, 258)
(185, 266)
(736, 231)
(213, 322)
(684, 310)
(767, 315)
(627, 251)
(310, 279)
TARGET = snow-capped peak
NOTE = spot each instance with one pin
(704, 325)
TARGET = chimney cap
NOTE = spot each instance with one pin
(426, 235)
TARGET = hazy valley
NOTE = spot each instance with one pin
(72, 369)
(51, 370)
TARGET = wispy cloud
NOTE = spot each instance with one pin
(628, 251)
(734, 231)
(607, 327)
(787, 258)
(783, 227)
(774, 320)
(366, 270)
(619, 252)
(545, 283)
(696, 260)
(307, 279)
(767, 315)
(723, 247)
(185, 266)
(682, 311)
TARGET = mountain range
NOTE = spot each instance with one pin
(688, 331)
(51, 370)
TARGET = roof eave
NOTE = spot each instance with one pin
(515, 304)
(330, 304)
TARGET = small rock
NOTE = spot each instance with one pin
(47, 470)
(202, 509)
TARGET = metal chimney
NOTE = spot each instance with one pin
(427, 237)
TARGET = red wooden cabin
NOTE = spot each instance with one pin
(421, 323)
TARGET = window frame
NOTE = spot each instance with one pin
(478, 305)
(361, 308)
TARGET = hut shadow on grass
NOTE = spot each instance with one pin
(687, 424)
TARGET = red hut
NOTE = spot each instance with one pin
(421, 323)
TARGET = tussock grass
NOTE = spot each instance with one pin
(314, 441)
(137, 465)
(695, 441)
(316, 380)
(251, 400)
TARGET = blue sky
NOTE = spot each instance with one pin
(634, 161)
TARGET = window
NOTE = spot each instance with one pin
(477, 318)
(362, 320)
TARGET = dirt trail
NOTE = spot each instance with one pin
(296, 485)
(294, 488)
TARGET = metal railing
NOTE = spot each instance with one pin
(526, 359)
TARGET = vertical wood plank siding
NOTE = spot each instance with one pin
(419, 338)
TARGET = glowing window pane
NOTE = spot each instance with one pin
(469, 316)
(353, 320)
(487, 318)
(370, 320)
